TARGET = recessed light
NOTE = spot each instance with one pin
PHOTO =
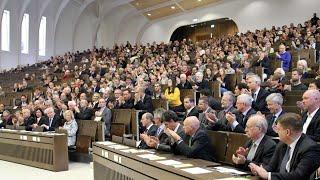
(149, 14)
(199, 0)
(173, 7)
(212, 26)
(195, 20)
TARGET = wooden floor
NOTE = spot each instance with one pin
(13, 171)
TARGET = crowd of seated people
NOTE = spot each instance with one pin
(130, 76)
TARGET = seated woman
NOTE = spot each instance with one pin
(40, 119)
(71, 126)
(172, 94)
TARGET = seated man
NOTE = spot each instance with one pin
(126, 101)
(259, 148)
(53, 118)
(84, 112)
(296, 155)
(238, 121)
(295, 82)
(274, 103)
(164, 142)
(191, 109)
(150, 129)
(198, 146)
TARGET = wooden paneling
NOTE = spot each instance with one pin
(191, 4)
(143, 4)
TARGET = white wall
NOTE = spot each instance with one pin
(64, 30)
(85, 29)
(247, 14)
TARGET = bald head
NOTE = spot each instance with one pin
(191, 125)
(310, 100)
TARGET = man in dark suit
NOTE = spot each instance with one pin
(259, 94)
(259, 148)
(184, 83)
(274, 103)
(150, 129)
(28, 119)
(198, 146)
(126, 101)
(296, 156)
(191, 109)
(218, 122)
(201, 83)
(95, 87)
(311, 118)
(203, 106)
(164, 142)
(54, 120)
(238, 120)
(142, 101)
(105, 113)
(22, 102)
(84, 112)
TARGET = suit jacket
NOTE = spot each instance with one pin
(150, 132)
(43, 120)
(29, 122)
(56, 122)
(166, 141)
(193, 112)
(84, 114)
(146, 104)
(260, 104)
(202, 118)
(222, 123)
(106, 118)
(200, 147)
(243, 121)
(204, 84)
(186, 85)
(263, 153)
(127, 104)
(305, 160)
(270, 120)
(313, 130)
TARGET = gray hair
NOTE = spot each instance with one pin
(232, 97)
(261, 122)
(149, 116)
(275, 98)
(245, 98)
(255, 78)
(158, 112)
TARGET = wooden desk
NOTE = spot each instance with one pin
(37, 149)
(109, 163)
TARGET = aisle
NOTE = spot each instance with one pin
(13, 171)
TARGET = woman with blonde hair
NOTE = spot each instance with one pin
(71, 126)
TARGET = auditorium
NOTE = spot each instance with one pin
(159, 89)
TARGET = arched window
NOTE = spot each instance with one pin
(42, 36)
(25, 34)
(5, 31)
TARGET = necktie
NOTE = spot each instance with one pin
(252, 152)
(158, 131)
(273, 120)
(190, 142)
(50, 122)
(285, 160)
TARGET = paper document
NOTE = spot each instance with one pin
(151, 157)
(106, 143)
(169, 162)
(182, 165)
(118, 147)
(196, 170)
(135, 151)
(228, 170)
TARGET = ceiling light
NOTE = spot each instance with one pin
(149, 14)
(199, 0)
(212, 26)
(173, 7)
(195, 20)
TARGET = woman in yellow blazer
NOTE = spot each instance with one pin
(172, 94)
